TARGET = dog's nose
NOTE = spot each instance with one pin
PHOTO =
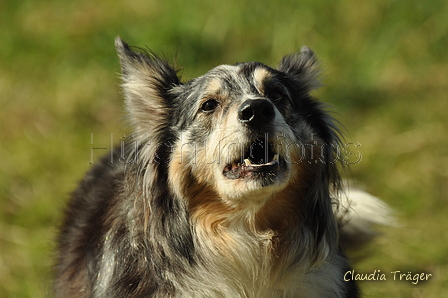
(256, 113)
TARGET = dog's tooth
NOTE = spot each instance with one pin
(247, 162)
(275, 158)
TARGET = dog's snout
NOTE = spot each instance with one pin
(256, 113)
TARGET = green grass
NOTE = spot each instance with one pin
(386, 73)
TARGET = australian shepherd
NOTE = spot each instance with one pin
(228, 187)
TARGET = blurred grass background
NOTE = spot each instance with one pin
(386, 73)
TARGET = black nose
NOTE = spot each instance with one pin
(256, 113)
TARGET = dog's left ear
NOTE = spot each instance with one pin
(147, 81)
(303, 67)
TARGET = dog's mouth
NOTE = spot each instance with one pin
(259, 160)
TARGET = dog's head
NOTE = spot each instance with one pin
(246, 136)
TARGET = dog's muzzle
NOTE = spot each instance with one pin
(259, 159)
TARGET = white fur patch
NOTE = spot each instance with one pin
(360, 211)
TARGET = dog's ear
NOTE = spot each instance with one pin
(147, 81)
(303, 67)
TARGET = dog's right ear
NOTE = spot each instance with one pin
(147, 80)
(303, 67)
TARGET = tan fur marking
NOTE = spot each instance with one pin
(260, 75)
(178, 169)
(211, 214)
(207, 209)
(285, 208)
(214, 86)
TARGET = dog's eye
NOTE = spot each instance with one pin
(209, 105)
(276, 95)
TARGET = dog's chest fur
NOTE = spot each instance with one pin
(246, 265)
(253, 276)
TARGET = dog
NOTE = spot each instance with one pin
(228, 187)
